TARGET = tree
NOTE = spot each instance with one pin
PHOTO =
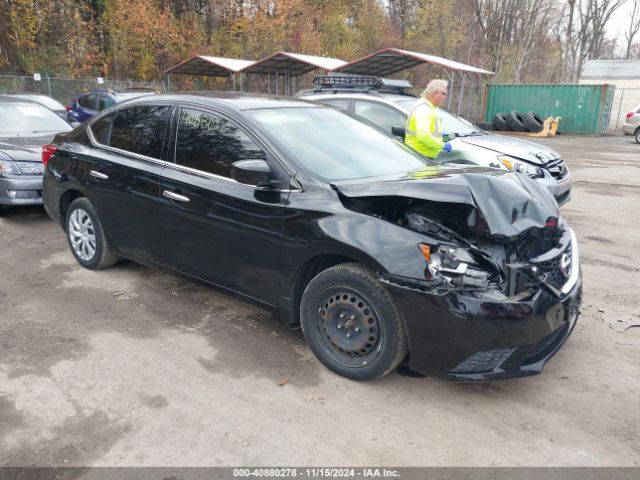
(634, 26)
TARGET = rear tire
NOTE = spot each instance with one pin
(86, 237)
(351, 323)
(636, 135)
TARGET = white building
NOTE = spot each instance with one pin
(625, 75)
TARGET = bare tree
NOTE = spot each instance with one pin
(402, 14)
(634, 26)
(587, 39)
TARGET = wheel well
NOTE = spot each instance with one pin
(65, 200)
(304, 275)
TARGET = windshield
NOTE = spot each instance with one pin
(450, 123)
(334, 146)
(454, 124)
(29, 118)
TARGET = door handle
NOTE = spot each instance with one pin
(175, 196)
(99, 175)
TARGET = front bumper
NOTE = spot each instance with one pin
(560, 188)
(26, 185)
(468, 337)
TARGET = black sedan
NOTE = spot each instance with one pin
(25, 127)
(379, 255)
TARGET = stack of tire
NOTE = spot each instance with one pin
(517, 122)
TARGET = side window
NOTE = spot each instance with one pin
(382, 115)
(101, 129)
(88, 101)
(341, 103)
(140, 129)
(211, 143)
(105, 102)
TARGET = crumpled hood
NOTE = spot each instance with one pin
(514, 147)
(28, 148)
(510, 203)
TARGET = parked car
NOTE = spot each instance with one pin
(386, 103)
(86, 105)
(24, 128)
(631, 125)
(50, 103)
(373, 250)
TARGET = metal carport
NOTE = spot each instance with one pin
(290, 67)
(393, 60)
(209, 66)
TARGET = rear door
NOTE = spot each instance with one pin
(211, 226)
(124, 175)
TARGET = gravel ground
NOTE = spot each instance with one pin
(133, 366)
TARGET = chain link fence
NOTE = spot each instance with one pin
(65, 89)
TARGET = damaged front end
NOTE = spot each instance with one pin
(499, 289)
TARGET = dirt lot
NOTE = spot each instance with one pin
(132, 366)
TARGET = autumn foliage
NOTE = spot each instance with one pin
(522, 40)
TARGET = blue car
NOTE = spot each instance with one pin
(86, 105)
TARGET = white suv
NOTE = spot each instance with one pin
(387, 106)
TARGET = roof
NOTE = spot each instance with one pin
(610, 69)
(293, 62)
(234, 100)
(211, 66)
(392, 60)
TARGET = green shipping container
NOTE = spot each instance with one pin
(583, 108)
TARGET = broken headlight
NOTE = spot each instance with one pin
(520, 166)
(461, 267)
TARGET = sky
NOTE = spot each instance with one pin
(619, 23)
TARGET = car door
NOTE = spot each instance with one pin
(124, 176)
(211, 226)
(383, 115)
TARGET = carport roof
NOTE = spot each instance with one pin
(211, 66)
(295, 63)
(392, 60)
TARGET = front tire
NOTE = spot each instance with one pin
(86, 237)
(352, 324)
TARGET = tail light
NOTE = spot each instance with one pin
(47, 151)
(552, 222)
(630, 114)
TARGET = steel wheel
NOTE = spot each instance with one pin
(351, 323)
(348, 326)
(82, 235)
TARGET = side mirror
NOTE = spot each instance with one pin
(398, 131)
(251, 172)
(447, 137)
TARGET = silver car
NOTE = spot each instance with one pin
(470, 144)
(25, 127)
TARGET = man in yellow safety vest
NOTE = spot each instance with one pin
(423, 131)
